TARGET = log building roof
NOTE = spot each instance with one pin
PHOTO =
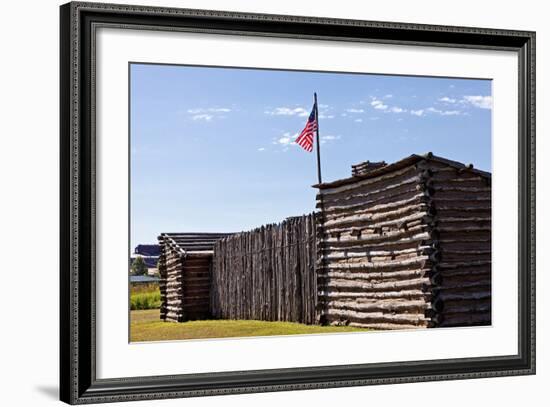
(405, 162)
(192, 242)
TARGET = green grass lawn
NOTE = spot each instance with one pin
(147, 326)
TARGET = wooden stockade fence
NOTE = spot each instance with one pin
(402, 245)
(407, 245)
(268, 273)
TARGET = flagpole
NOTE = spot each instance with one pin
(318, 144)
(320, 314)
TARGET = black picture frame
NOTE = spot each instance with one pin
(78, 382)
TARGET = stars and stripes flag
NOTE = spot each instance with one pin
(305, 139)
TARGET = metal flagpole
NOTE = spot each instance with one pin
(318, 144)
(320, 314)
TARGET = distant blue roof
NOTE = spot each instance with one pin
(151, 262)
(147, 249)
(144, 279)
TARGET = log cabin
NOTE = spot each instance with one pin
(406, 245)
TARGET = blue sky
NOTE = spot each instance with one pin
(212, 148)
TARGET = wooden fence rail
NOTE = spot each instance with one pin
(267, 274)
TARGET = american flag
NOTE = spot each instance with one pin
(305, 139)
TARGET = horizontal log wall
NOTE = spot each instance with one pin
(461, 205)
(267, 274)
(377, 252)
(407, 248)
(171, 279)
(196, 286)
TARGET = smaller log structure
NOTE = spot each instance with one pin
(268, 273)
(184, 266)
(406, 245)
(365, 167)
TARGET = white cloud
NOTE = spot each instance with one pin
(482, 102)
(422, 112)
(446, 99)
(378, 104)
(261, 149)
(285, 141)
(209, 110)
(288, 111)
(358, 120)
(203, 116)
(207, 114)
(324, 112)
(388, 96)
(451, 113)
(355, 110)
(443, 112)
